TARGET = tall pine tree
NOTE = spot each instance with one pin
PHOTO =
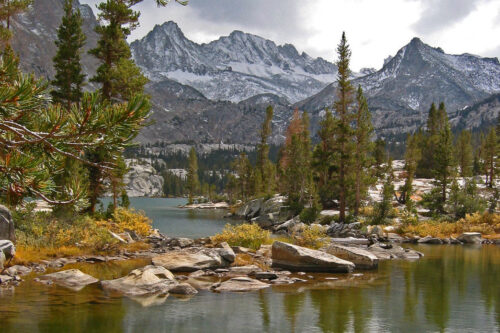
(265, 170)
(444, 162)
(464, 153)
(193, 184)
(69, 78)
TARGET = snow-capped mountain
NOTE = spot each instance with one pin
(400, 93)
(233, 67)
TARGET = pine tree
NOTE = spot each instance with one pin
(380, 156)
(383, 209)
(8, 9)
(343, 129)
(412, 157)
(324, 157)
(119, 76)
(193, 184)
(264, 168)
(243, 169)
(489, 152)
(363, 150)
(444, 163)
(464, 153)
(69, 78)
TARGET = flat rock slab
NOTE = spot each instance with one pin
(240, 284)
(351, 241)
(363, 259)
(73, 279)
(244, 270)
(395, 252)
(470, 238)
(297, 258)
(190, 260)
(149, 280)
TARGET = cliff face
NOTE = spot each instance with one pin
(142, 180)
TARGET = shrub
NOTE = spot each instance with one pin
(313, 236)
(308, 215)
(246, 235)
(128, 220)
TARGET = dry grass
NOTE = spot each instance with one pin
(486, 224)
(27, 254)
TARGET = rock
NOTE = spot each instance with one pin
(149, 280)
(5, 279)
(2, 260)
(250, 210)
(351, 241)
(73, 279)
(470, 238)
(241, 249)
(430, 240)
(360, 257)
(226, 252)
(183, 289)
(264, 251)
(240, 284)
(377, 231)
(396, 252)
(7, 251)
(393, 237)
(18, 270)
(190, 260)
(288, 225)
(142, 180)
(343, 230)
(265, 275)
(298, 258)
(264, 221)
(454, 241)
(244, 270)
(95, 258)
(7, 230)
(181, 242)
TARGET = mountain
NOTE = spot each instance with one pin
(400, 93)
(36, 30)
(478, 117)
(234, 67)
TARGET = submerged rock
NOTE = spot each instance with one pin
(190, 260)
(240, 284)
(363, 259)
(148, 280)
(298, 258)
(73, 279)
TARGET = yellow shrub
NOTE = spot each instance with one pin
(246, 235)
(313, 236)
(128, 219)
(486, 224)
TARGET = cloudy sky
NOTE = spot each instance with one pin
(375, 29)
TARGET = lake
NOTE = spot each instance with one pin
(451, 289)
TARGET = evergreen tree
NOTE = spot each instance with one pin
(444, 164)
(363, 150)
(343, 131)
(412, 157)
(8, 9)
(380, 156)
(324, 157)
(265, 173)
(489, 152)
(69, 78)
(464, 154)
(193, 183)
(243, 169)
(383, 209)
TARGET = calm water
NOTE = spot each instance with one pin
(452, 289)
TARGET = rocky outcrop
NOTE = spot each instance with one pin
(7, 230)
(142, 180)
(360, 257)
(268, 214)
(470, 238)
(192, 259)
(73, 279)
(7, 251)
(240, 284)
(298, 258)
(149, 280)
(389, 251)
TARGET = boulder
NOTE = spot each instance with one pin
(470, 238)
(226, 252)
(183, 289)
(393, 252)
(18, 270)
(73, 279)
(264, 221)
(265, 275)
(7, 230)
(244, 270)
(190, 260)
(250, 210)
(430, 240)
(360, 257)
(264, 251)
(240, 284)
(5, 278)
(2, 260)
(351, 241)
(181, 242)
(149, 280)
(296, 258)
(7, 248)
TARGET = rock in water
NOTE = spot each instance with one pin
(6, 225)
(73, 279)
(239, 284)
(190, 260)
(470, 238)
(298, 258)
(144, 281)
(360, 257)
(183, 289)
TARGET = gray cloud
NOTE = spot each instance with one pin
(439, 14)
